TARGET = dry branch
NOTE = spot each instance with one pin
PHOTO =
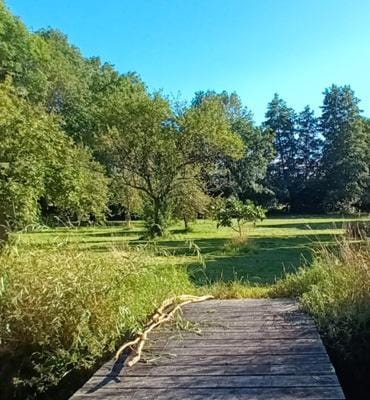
(164, 313)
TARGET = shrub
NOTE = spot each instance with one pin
(336, 292)
(235, 214)
(62, 310)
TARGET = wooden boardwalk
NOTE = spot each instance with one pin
(232, 350)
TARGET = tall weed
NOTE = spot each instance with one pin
(61, 310)
(335, 290)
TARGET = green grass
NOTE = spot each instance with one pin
(69, 296)
(275, 247)
(63, 310)
(335, 290)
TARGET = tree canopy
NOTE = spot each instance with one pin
(81, 141)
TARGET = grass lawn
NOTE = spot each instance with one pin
(274, 246)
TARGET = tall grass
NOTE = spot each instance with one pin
(335, 290)
(63, 309)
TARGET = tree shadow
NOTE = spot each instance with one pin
(305, 225)
(262, 262)
(120, 233)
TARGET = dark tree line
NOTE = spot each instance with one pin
(322, 162)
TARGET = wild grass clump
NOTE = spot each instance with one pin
(63, 309)
(238, 245)
(235, 290)
(335, 290)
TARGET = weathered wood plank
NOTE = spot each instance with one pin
(174, 360)
(253, 334)
(259, 348)
(310, 393)
(245, 350)
(211, 369)
(241, 343)
(205, 381)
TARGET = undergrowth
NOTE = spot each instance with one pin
(61, 310)
(335, 290)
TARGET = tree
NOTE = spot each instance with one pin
(282, 172)
(345, 168)
(125, 197)
(155, 148)
(248, 174)
(235, 214)
(365, 201)
(308, 158)
(243, 178)
(39, 162)
(309, 144)
(190, 201)
(17, 54)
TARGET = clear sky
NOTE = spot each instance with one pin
(253, 47)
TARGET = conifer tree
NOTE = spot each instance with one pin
(345, 169)
(281, 120)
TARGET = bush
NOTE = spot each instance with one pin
(336, 292)
(62, 310)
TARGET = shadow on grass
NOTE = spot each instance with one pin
(123, 233)
(306, 226)
(267, 260)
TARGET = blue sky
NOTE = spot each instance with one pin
(253, 47)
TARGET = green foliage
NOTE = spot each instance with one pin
(155, 150)
(62, 309)
(345, 168)
(125, 197)
(234, 214)
(281, 120)
(190, 201)
(243, 178)
(335, 290)
(39, 162)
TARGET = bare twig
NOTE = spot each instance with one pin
(164, 313)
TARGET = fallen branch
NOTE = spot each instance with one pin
(164, 313)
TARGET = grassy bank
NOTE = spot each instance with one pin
(335, 290)
(61, 310)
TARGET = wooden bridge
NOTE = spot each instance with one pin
(231, 350)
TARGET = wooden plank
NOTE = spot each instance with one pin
(205, 381)
(226, 342)
(206, 334)
(211, 369)
(174, 360)
(168, 359)
(246, 350)
(309, 393)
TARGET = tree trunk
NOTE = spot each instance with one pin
(128, 219)
(4, 234)
(157, 229)
(186, 223)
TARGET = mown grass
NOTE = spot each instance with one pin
(68, 296)
(275, 246)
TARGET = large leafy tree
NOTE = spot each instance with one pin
(345, 167)
(39, 162)
(245, 177)
(155, 148)
(282, 172)
(18, 55)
